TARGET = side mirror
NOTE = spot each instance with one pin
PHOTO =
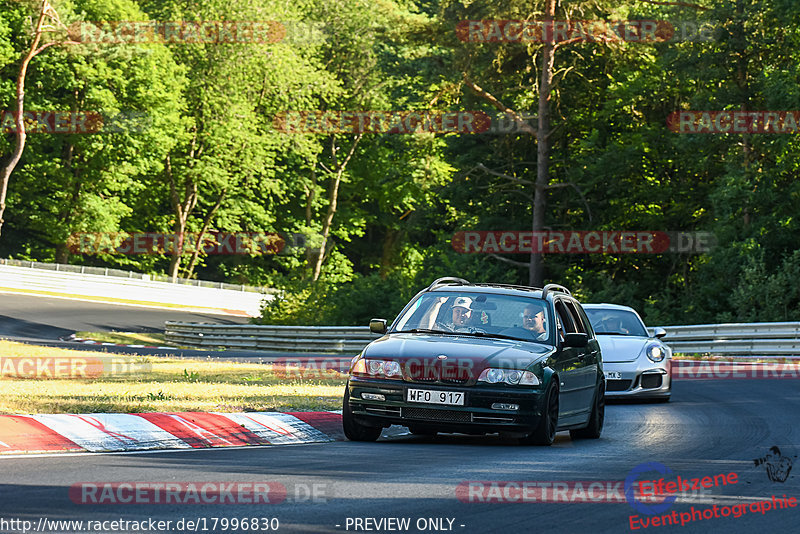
(377, 326)
(576, 339)
(659, 332)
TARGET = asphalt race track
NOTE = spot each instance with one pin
(44, 320)
(28, 316)
(710, 428)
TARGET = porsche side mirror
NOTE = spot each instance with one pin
(659, 332)
(377, 326)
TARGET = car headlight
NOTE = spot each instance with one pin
(376, 368)
(391, 369)
(493, 376)
(508, 376)
(656, 352)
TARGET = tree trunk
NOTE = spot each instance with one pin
(535, 274)
(47, 12)
(182, 211)
(19, 146)
(326, 224)
(201, 235)
(333, 200)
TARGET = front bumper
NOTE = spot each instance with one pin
(475, 416)
(639, 380)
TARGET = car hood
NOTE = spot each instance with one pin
(617, 349)
(466, 352)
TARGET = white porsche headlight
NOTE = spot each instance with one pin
(656, 352)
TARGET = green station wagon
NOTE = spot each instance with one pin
(479, 359)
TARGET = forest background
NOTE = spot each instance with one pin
(379, 211)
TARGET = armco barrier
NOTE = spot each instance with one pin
(129, 290)
(333, 339)
(736, 339)
(751, 339)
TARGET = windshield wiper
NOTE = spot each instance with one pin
(487, 334)
(421, 331)
(612, 333)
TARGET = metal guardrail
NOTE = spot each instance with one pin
(335, 339)
(746, 339)
(736, 339)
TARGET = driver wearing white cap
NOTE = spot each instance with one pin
(460, 315)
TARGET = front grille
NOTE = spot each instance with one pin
(651, 381)
(454, 380)
(432, 371)
(442, 381)
(437, 415)
(618, 385)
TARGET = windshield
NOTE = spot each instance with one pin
(619, 322)
(502, 316)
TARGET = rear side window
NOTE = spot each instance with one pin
(580, 321)
(586, 321)
(565, 318)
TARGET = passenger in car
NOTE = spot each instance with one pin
(533, 320)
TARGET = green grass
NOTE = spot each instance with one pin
(170, 384)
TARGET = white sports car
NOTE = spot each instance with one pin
(635, 363)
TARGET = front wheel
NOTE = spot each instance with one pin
(595, 426)
(545, 432)
(353, 430)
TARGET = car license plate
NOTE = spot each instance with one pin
(613, 375)
(453, 398)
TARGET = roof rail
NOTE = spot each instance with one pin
(554, 287)
(510, 286)
(449, 280)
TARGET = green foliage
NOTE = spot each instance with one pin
(614, 166)
(191, 376)
(351, 303)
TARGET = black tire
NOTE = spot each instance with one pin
(353, 430)
(545, 432)
(595, 426)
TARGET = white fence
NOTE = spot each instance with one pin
(736, 339)
(134, 289)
